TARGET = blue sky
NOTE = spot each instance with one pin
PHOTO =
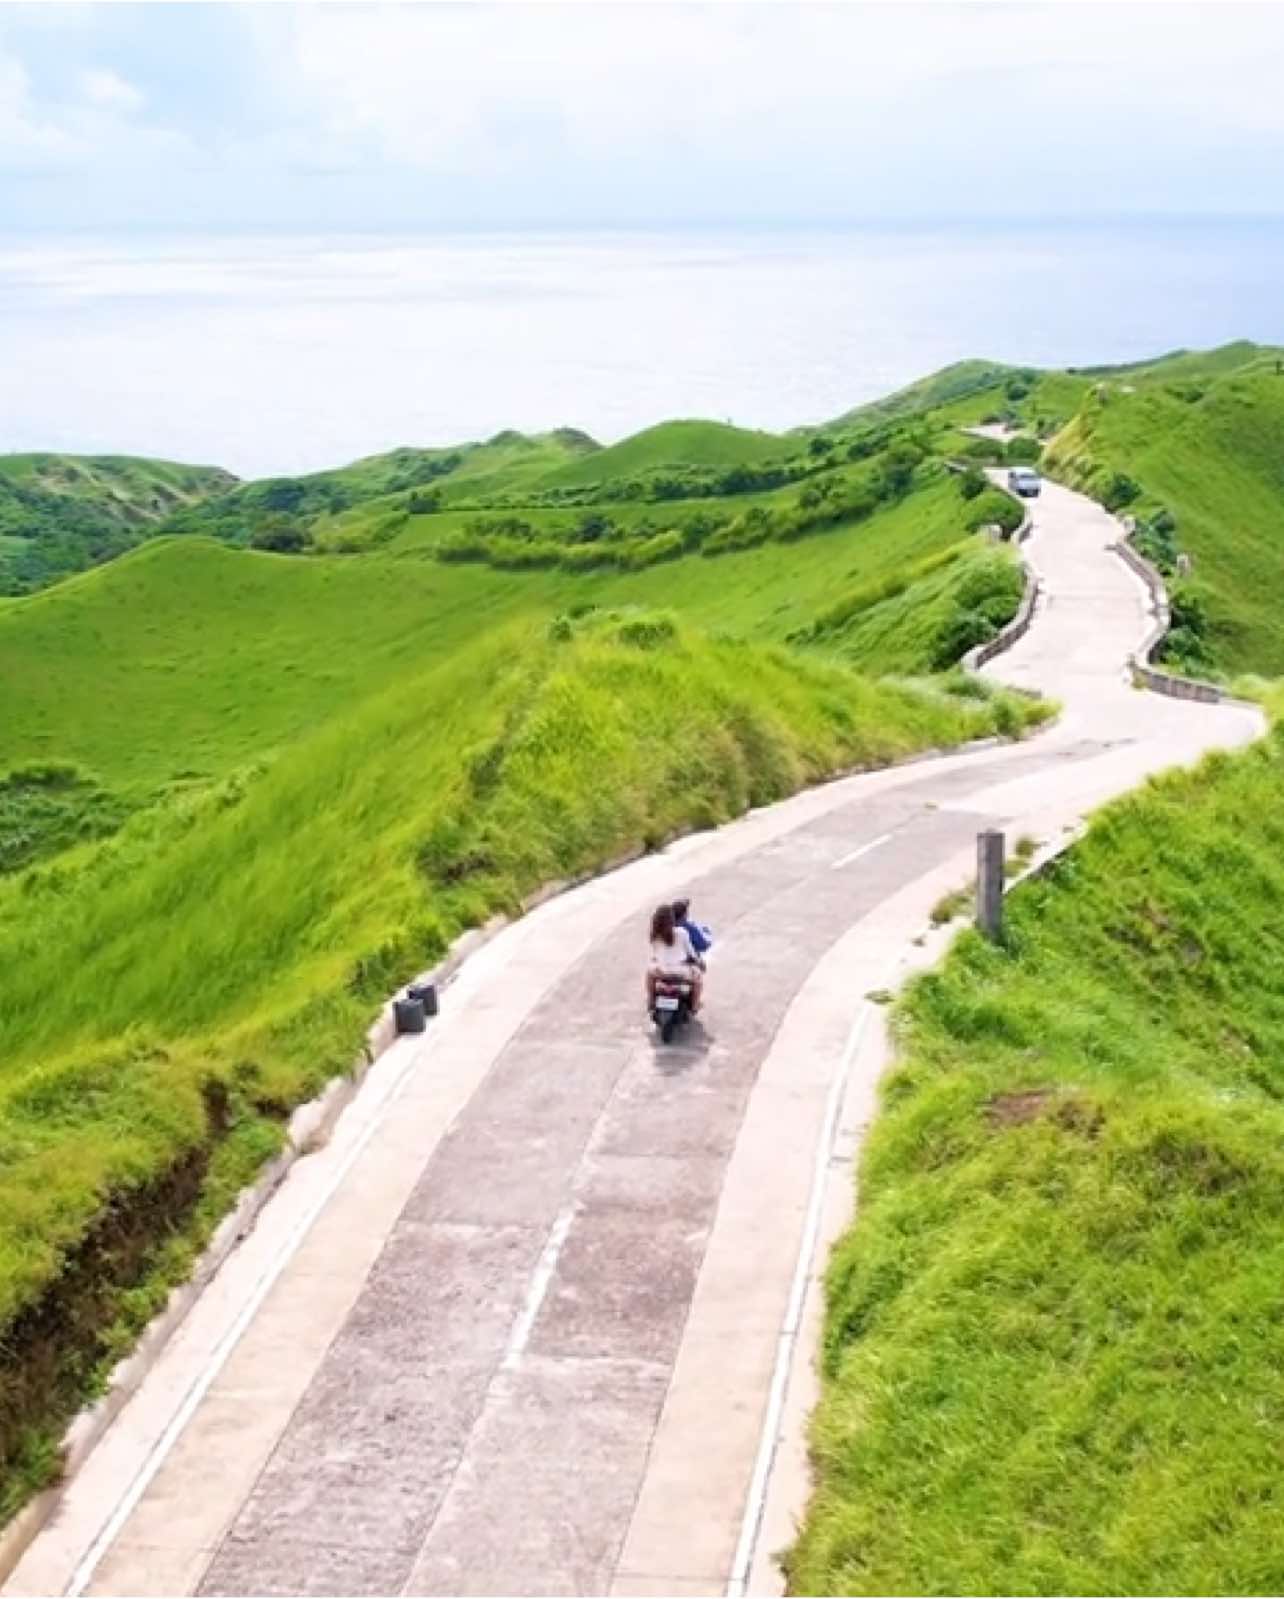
(413, 116)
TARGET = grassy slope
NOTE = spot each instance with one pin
(672, 444)
(1201, 432)
(201, 657)
(950, 385)
(1055, 1337)
(927, 615)
(62, 513)
(325, 499)
(1212, 452)
(325, 768)
(765, 592)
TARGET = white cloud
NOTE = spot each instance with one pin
(652, 111)
(680, 94)
(102, 87)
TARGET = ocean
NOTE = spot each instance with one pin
(285, 354)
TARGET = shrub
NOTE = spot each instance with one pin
(897, 467)
(663, 547)
(1186, 645)
(1120, 490)
(993, 506)
(972, 482)
(279, 534)
(651, 630)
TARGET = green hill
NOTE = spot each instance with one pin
(284, 506)
(62, 513)
(671, 446)
(1206, 455)
(243, 795)
(1052, 1358)
(946, 387)
(1191, 443)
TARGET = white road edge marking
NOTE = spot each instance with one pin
(770, 1436)
(540, 1281)
(874, 843)
(155, 1459)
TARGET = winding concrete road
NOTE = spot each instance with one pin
(539, 1318)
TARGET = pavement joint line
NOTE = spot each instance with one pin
(865, 849)
(204, 1380)
(541, 1280)
(768, 1438)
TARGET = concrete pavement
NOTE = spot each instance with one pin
(534, 1322)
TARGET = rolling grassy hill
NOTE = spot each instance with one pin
(243, 795)
(1209, 451)
(62, 513)
(1053, 1351)
(671, 445)
(1190, 443)
(402, 477)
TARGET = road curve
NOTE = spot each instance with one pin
(524, 1325)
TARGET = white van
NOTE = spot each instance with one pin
(1025, 481)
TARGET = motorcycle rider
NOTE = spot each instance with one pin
(672, 955)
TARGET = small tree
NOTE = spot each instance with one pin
(972, 483)
(283, 494)
(1121, 490)
(279, 534)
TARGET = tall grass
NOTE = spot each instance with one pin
(191, 977)
(1055, 1340)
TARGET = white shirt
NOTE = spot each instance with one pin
(673, 959)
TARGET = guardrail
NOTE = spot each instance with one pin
(1017, 628)
(1143, 673)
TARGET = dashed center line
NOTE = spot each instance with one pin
(855, 855)
(540, 1282)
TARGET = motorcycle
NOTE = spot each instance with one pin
(672, 1006)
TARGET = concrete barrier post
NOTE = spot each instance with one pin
(989, 883)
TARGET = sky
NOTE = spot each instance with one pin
(471, 115)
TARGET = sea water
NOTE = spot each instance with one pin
(289, 353)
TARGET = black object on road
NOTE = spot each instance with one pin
(426, 993)
(409, 1015)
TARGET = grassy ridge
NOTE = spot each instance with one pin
(201, 658)
(1211, 452)
(186, 658)
(62, 513)
(1055, 1337)
(931, 612)
(230, 941)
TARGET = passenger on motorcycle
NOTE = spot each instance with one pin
(700, 936)
(672, 956)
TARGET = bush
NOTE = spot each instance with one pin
(1156, 540)
(1186, 646)
(994, 507)
(898, 465)
(972, 482)
(280, 535)
(1023, 450)
(663, 547)
(1120, 490)
(652, 630)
